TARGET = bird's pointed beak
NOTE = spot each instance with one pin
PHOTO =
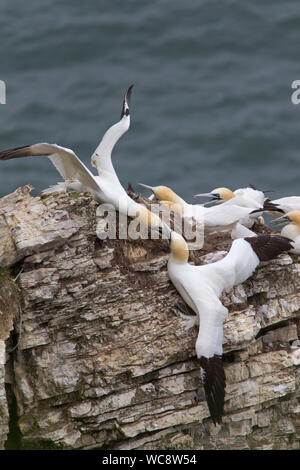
(213, 201)
(126, 102)
(213, 198)
(146, 186)
(280, 221)
(204, 195)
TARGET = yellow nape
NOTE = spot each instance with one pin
(261, 220)
(294, 217)
(147, 217)
(163, 193)
(179, 248)
(174, 207)
(225, 193)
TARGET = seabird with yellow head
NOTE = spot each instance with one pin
(218, 218)
(245, 197)
(201, 288)
(291, 228)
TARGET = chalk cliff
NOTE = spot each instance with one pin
(93, 352)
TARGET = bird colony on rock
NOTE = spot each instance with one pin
(200, 286)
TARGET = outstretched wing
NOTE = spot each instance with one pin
(65, 161)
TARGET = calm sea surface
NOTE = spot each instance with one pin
(212, 99)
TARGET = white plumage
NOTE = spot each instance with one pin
(285, 205)
(225, 216)
(106, 187)
(245, 197)
(218, 218)
(201, 288)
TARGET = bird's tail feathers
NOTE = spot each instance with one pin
(214, 382)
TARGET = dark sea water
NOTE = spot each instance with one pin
(212, 99)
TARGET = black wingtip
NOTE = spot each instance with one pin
(270, 206)
(268, 246)
(261, 209)
(214, 382)
(17, 152)
(128, 93)
(126, 102)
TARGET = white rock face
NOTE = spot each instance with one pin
(101, 359)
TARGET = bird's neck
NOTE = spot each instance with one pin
(179, 251)
(167, 194)
(105, 148)
(291, 230)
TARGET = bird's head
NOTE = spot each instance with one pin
(164, 193)
(126, 102)
(260, 220)
(218, 195)
(292, 217)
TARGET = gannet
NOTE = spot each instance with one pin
(217, 218)
(291, 229)
(104, 188)
(245, 197)
(201, 288)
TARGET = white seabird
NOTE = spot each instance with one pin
(201, 288)
(245, 197)
(76, 175)
(104, 188)
(291, 229)
(218, 218)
